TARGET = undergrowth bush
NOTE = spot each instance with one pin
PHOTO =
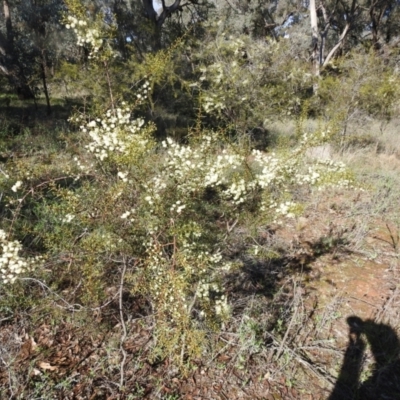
(357, 87)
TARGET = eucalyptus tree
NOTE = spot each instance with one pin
(342, 25)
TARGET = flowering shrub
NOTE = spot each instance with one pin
(158, 205)
(164, 210)
(181, 265)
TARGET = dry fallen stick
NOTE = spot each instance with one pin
(314, 369)
(123, 336)
(295, 307)
(380, 315)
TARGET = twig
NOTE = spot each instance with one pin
(378, 253)
(183, 347)
(230, 228)
(188, 311)
(44, 286)
(295, 303)
(109, 86)
(1, 170)
(7, 366)
(379, 316)
(395, 237)
(302, 361)
(70, 307)
(6, 319)
(319, 348)
(233, 7)
(124, 334)
(363, 301)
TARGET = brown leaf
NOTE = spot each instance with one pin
(167, 389)
(47, 366)
(34, 344)
(28, 348)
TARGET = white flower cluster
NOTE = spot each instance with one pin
(11, 264)
(311, 177)
(85, 35)
(226, 72)
(183, 163)
(286, 209)
(268, 168)
(199, 167)
(128, 214)
(68, 218)
(195, 168)
(123, 176)
(143, 91)
(315, 138)
(325, 173)
(204, 289)
(178, 207)
(84, 168)
(300, 169)
(207, 290)
(213, 102)
(16, 186)
(115, 134)
(221, 305)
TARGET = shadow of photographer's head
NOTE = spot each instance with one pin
(382, 339)
(384, 377)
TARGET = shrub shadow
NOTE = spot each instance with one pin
(263, 276)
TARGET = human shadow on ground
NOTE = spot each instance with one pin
(384, 380)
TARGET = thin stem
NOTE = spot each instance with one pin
(71, 307)
(109, 86)
(124, 333)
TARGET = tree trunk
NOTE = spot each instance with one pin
(150, 11)
(338, 44)
(159, 18)
(9, 64)
(314, 44)
(46, 92)
(376, 15)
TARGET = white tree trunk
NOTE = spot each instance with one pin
(314, 43)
